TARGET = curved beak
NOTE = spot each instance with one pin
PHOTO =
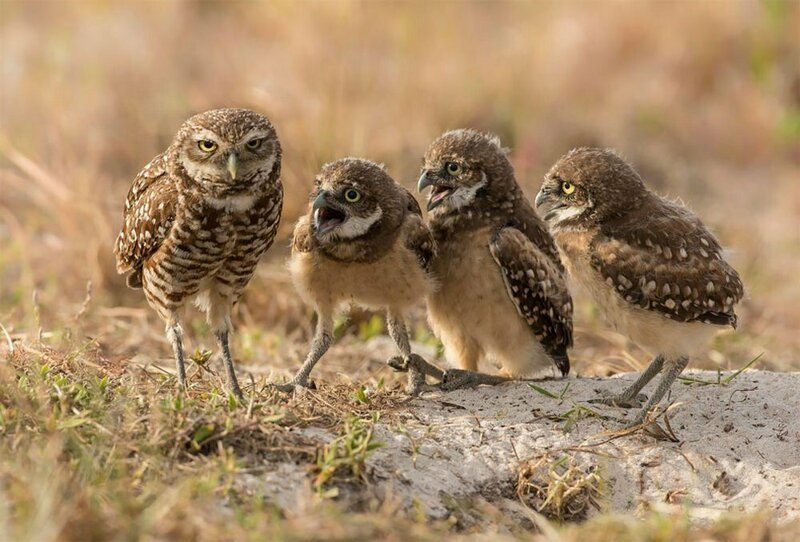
(321, 200)
(424, 181)
(541, 198)
(233, 165)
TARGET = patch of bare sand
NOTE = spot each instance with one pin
(738, 447)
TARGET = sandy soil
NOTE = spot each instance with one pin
(737, 448)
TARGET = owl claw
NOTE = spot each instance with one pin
(293, 386)
(454, 379)
(398, 363)
(620, 401)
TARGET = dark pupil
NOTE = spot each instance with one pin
(207, 144)
(452, 167)
(351, 194)
(254, 143)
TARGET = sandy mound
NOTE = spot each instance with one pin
(737, 448)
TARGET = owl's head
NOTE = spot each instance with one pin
(588, 186)
(226, 151)
(354, 199)
(465, 169)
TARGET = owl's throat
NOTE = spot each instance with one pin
(326, 219)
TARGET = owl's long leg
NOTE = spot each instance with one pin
(323, 338)
(674, 368)
(218, 312)
(222, 340)
(417, 367)
(629, 397)
(174, 336)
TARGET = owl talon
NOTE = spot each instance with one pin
(620, 401)
(454, 379)
(418, 369)
(415, 361)
(417, 389)
(398, 364)
(292, 386)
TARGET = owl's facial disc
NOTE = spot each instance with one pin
(452, 187)
(225, 164)
(342, 215)
(559, 201)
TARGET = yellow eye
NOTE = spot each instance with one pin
(352, 195)
(253, 144)
(567, 187)
(452, 168)
(206, 145)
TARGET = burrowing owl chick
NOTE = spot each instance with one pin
(653, 268)
(362, 242)
(198, 218)
(502, 294)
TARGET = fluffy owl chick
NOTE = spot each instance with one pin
(198, 218)
(502, 293)
(653, 268)
(363, 242)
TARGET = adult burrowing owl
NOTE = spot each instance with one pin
(198, 218)
(364, 242)
(653, 268)
(502, 293)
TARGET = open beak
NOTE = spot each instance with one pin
(439, 192)
(327, 215)
(233, 165)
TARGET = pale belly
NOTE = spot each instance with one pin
(474, 317)
(394, 282)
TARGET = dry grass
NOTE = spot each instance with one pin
(560, 487)
(704, 99)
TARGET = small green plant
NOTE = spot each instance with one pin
(346, 455)
(361, 395)
(577, 413)
(690, 380)
(201, 357)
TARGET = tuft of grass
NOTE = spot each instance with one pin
(346, 455)
(559, 486)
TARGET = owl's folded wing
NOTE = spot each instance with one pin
(147, 219)
(538, 290)
(674, 267)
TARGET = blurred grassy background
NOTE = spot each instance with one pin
(703, 97)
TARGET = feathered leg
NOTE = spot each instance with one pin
(630, 397)
(174, 336)
(323, 338)
(674, 368)
(218, 313)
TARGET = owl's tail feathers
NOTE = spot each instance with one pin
(134, 280)
(561, 359)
